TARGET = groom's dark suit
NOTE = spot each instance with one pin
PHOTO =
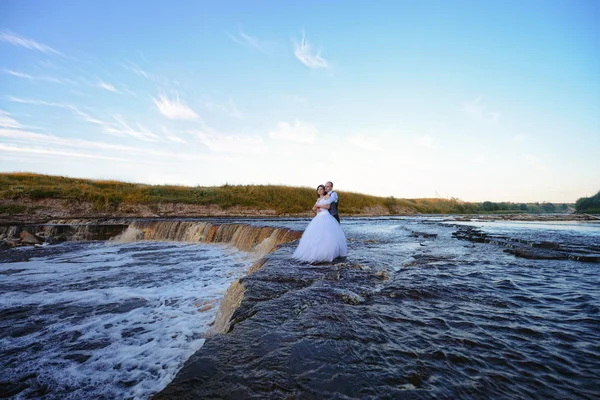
(333, 205)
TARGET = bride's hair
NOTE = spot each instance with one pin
(320, 186)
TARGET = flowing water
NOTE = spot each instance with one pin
(109, 320)
(455, 319)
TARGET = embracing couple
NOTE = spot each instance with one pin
(323, 239)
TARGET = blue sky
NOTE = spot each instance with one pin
(478, 100)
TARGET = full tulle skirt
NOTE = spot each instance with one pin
(323, 240)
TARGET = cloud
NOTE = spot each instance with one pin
(70, 107)
(536, 162)
(425, 141)
(7, 121)
(107, 86)
(174, 109)
(56, 152)
(221, 143)
(172, 137)
(365, 143)
(228, 109)
(305, 54)
(137, 70)
(20, 41)
(520, 138)
(296, 132)
(480, 159)
(118, 128)
(36, 78)
(477, 110)
(130, 66)
(123, 128)
(39, 138)
(248, 41)
(66, 106)
(295, 99)
(175, 139)
(44, 140)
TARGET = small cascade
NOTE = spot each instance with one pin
(259, 240)
(128, 236)
(9, 231)
(54, 233)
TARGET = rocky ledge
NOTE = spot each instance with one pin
(536, 250)
(37, 234)
(284, 328)
(529, 217)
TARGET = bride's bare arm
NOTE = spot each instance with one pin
(325, 206)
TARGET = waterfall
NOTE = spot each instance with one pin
(255, 239)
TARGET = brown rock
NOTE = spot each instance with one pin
(29, 238)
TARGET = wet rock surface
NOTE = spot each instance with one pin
(292, 327)
(535, 250)
(445, 322)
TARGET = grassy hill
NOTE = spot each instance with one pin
(20, 192)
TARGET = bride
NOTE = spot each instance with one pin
(323, 239)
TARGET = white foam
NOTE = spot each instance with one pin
(165, 285)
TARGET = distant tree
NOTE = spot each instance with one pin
(548, 207)
(523, 207)
(489, 206)
(588, 204)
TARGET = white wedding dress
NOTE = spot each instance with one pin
(322, 240)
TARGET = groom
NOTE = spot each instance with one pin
(333, 201)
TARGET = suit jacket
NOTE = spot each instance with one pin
(333, 203)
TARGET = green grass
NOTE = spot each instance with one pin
(109, 195)
(13, 209)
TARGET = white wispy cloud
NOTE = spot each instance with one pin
(62, 145)
(307, 56)
(480, 159)
(118, 128)
(123, 128)
(171, 136)
(57, 152)
(536, 162)
(107, 86)
(295, 99)
(366, 143)
(520, 138)
(247, 40)
(228, 108)
(478, 110)
(20, 41)
(223, 143)
(24, 136)
(7, 121)
(66, 106)
(174, 108)
(136, 70)
(295, 132)
(23, 75)
(161, 80)
(425, 141)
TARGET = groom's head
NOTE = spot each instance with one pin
(328, 187)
